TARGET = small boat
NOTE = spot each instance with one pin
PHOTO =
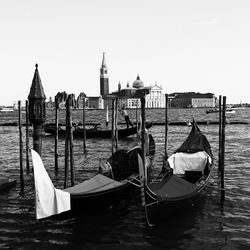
(96, 131)
(7, 109)
(183, 179)
(116, 180)
(228, 111)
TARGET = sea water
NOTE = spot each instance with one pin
(211, 224)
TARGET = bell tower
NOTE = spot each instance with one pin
(104, 79)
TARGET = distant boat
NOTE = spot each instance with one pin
(238, 107)
(228, 111)
(95, 131)
(7, 109)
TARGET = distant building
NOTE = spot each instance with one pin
(95, 102)
(50, 104)
(91, 102)
(155, 98)
(192, 100)
(79, 100)
(104, 78)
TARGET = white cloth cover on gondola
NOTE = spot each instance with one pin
(49, 200)
(181, 162)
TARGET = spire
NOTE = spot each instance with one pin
(36, 89)
(104, 60)
(119, 86)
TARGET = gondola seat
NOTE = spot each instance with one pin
(181, 162)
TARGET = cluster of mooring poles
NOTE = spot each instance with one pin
(36, 115)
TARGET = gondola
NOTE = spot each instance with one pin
(183, 179)
(116, 180)
(95, 131)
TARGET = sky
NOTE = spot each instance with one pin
(182, 45)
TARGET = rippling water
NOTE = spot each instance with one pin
(211, 224)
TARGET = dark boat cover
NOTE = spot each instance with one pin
(195, 142)
(172, 187)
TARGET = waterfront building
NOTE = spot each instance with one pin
(91, 102)
(192, 100)
(94, 102)
(155, 98)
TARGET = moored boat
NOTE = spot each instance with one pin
(228, 111)
(184, 178)
(116, 180)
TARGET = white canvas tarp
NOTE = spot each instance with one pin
(181, 162)
(49, 200)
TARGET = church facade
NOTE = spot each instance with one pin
(155, 98)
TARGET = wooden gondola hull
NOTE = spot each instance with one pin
(102, 200)
(184, 179)
(162, 210)
(98, 133)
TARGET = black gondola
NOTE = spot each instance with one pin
(95, 131)
(102, 190)
(184, 178)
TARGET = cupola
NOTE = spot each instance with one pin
(138, 83)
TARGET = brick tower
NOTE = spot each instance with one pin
(104, 79)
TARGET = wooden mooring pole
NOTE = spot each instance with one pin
(71, 149)
(143, 134)
(107, 115)
(20, 144)
(84, 124)
(66, 160)
(56, 134)
(113, 126)
(27, 137)
(220, 128)
(222, 160)
(69, 146)
(116, 117)
(166, 127)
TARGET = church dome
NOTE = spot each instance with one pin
(138, 83)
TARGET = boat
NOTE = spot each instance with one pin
(116, 180)
(7, 109)
(228, 111)
(183, 179)
(95, 131)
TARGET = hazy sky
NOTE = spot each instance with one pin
(200, 46)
